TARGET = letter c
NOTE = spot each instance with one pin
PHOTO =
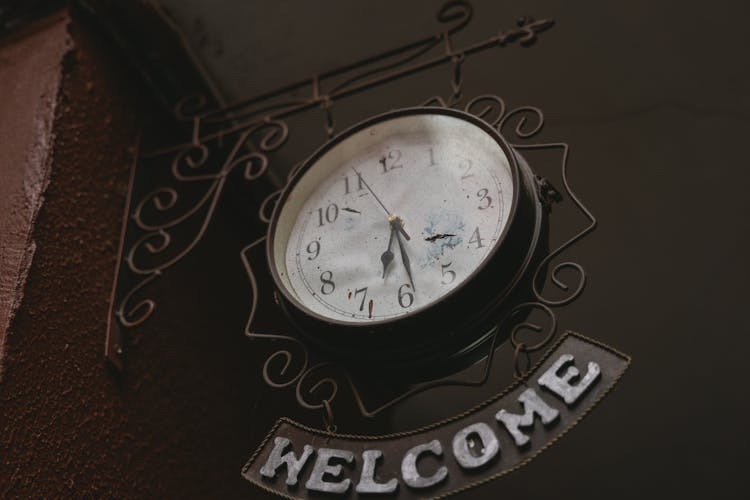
(409, 471)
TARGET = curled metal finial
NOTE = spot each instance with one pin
(154, 243)
(275, 374)
(161, 199)
(571, 290)
(274, 134)
(457, 12)
(522, 350)
(194, 157)
(493, 110)
(527, 31)
(190, 106)
(130, 316)
(530, 122)
(547, 334)
(317, 388)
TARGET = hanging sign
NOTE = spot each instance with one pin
(484, 443)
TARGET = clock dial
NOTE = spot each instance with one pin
(393, 218)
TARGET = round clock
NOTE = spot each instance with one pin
(401, 238)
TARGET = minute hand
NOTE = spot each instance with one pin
(404, 256)
(391, 217)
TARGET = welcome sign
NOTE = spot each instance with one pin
(482, 444)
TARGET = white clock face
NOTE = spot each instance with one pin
(392, 218)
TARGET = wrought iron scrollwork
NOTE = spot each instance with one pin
(521, 124)
(257, 127)
(157, 249)
(190, 107)
(529, 121)
(492, 111)
(571, 291)
(290, 365)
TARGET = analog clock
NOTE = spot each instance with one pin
(403, 235)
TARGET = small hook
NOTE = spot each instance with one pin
(328, 417)
(518, 372)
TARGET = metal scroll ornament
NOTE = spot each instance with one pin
(315, 384)
(237, 143)
(164, 225)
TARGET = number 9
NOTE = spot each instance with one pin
(313, 248)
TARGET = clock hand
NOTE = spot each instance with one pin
(387, 257)
(390, 215)
(404, 258)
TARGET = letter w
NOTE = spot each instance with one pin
(293, 465)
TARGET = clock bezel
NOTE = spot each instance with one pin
(336, 335)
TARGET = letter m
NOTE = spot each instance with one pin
(532, 404)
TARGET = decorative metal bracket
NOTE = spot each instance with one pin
(292, 365)
(240, 137)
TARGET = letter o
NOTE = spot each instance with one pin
(464, 457)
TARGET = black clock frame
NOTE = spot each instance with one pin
(463, 319)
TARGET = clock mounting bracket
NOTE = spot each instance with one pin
(164, 222)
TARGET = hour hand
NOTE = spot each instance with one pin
(387, 257)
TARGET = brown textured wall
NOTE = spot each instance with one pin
(173, 426)
(30, 73)
(57, 402)
(60, 416)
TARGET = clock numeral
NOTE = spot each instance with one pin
(405, 299)
(328, 285)
(347, 187)
(330, 214)
(313, 248)
(432, 158)
(449, 276)
(482, 195)
(391, 161)
(466, 166)
(475, 238)
(363, 291)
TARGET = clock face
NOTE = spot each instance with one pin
(392, 218)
